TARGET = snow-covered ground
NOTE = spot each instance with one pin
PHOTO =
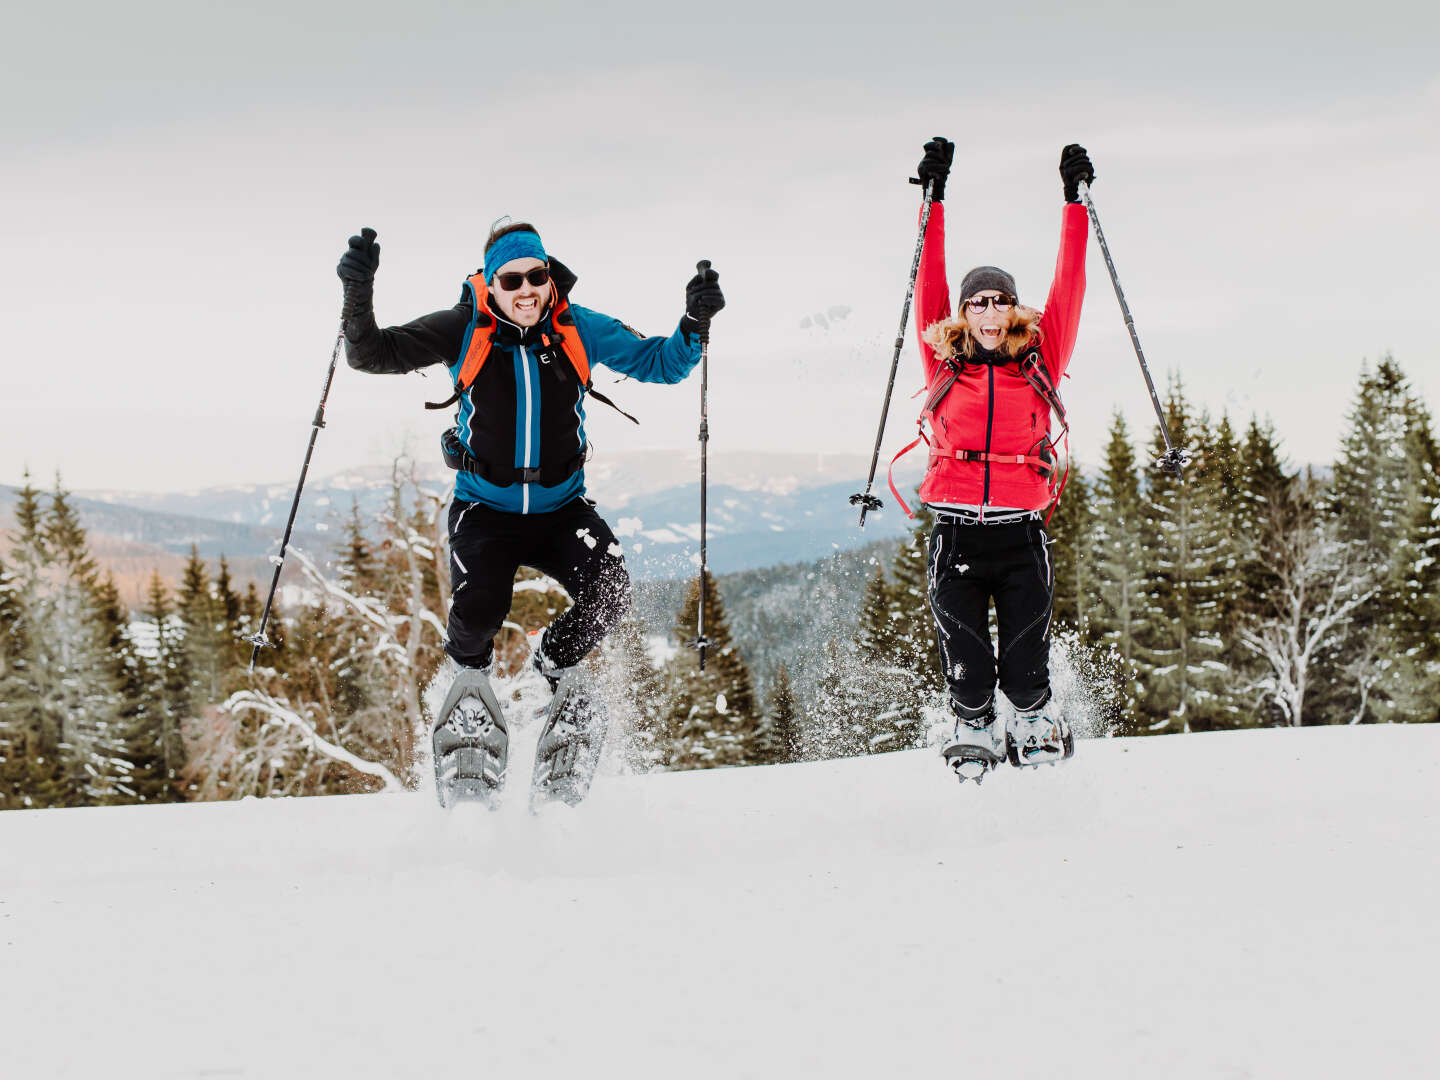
(1244, 904)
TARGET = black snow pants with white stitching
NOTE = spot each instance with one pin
(573, 545)
(970, 565)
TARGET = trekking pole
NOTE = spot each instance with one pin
(865, 500)
(258, 639)
(1174, 459)
(701, 642)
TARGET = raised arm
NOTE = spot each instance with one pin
(430, 339)
(610, 342)
(932, 291)
(654, 359)
(1061, 320)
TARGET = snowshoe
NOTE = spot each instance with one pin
(571, 738)
(1039, 738)
(974, 748)
(471, 742)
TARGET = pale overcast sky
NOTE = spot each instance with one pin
(180, 178)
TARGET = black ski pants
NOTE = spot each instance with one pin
(573, 545)
(970, 565)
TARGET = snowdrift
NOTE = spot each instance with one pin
(1256, 903)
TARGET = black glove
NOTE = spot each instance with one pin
(357, 270)
(935, 165)
(703, 297)
(1074, 167)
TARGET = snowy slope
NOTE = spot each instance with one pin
(1239, 904)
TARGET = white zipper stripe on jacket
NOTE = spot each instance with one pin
(525, 488)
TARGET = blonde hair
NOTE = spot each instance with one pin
(952, 340)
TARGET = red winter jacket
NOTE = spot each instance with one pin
(993, 409)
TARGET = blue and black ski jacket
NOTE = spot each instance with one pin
(519, 442)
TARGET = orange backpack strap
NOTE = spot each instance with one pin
(477, 346)
(563, 320)
(478, 338)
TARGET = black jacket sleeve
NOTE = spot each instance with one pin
(430, 339)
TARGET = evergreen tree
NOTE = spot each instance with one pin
(37, 777)
(1183, 533)
(1269, 507)
(139, 732)
(16, 706)
(1417, 623)
(169, 701)
(840, 718)
(914, 625)
(1118, 613)
(229, 609)
(1073, 554)
(204, 634)
(79, 688)
(778, 739)
(1221, 475)
(1377, 500)
(634, 692)
(712, 719)
(884, 677)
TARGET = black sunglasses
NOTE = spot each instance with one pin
(510, 282)
(976, 304)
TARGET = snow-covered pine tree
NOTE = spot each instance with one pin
(1117, 611)
(203, 634)
(140, 729)
(1221, 473)
(169, 686)
(1179, 652)
(79, 688)
(910, 600)
(839, 719)
(17, 701)
(1267, 502)
(885, 678)
(1073, 554)
(230, 609)
(41, 778)
(778, 739)
(633, 689)
(712, 719)
(1374, 494)
(1417, 565)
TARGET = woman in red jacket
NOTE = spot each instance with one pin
(990, 370)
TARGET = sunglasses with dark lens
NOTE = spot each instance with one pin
(976, 304)
(537, 277)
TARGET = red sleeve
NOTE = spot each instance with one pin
(1060, 321)
(932, 291)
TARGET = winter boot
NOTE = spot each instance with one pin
(976, 745)
(1039, 736)
(571, 736)
(471, 741)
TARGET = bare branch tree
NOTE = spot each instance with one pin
(1318, 586)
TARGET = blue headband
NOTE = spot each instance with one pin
(522, 244)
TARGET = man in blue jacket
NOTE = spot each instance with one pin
(519, 354)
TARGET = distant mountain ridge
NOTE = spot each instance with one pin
(763, 510)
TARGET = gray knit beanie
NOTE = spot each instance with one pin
(987, 277)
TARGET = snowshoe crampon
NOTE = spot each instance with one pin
(970, 762)
(571, 738)
(974, 748)
(1039, 740)
(471, 742)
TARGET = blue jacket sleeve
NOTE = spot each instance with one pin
(610, 342)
